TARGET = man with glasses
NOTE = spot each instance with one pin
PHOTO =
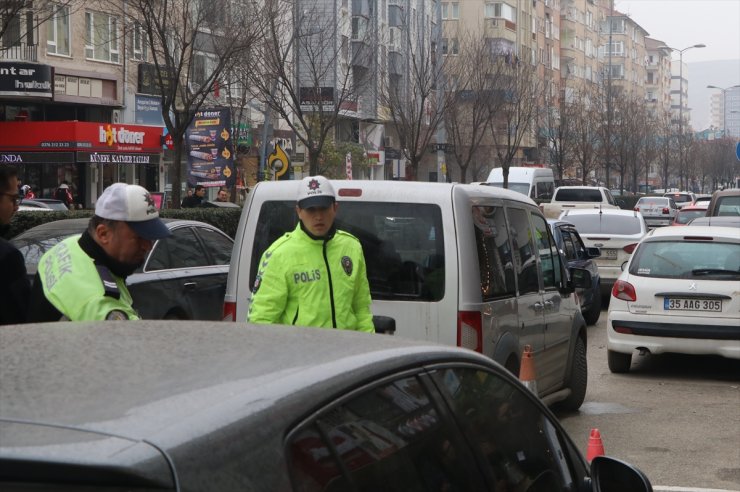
(14, 288)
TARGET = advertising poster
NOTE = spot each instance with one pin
(210, 149)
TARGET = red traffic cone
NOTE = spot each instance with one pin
(526, 370)
(595, 445)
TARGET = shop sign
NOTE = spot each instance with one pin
(117, 158)
(25, 79)
(109, 135)
(148, 82)
(36, 157)
(317, 99)
(210, 148)
(148, 110)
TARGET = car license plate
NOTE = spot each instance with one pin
(677, 304)
(609, 254)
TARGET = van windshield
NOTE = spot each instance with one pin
(403, 244)
(522, 188)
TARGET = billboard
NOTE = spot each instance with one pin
(210, 148)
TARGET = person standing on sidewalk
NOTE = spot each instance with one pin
(14, 287)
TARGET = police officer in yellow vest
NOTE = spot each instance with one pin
(314, 275)
(83, 278)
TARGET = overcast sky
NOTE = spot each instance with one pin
(682, 23)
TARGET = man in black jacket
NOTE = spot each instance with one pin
(15, 288)
(196, 199)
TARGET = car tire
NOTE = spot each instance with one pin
(619, 362)
(594, 311)
(578, 379)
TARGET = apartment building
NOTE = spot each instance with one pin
(658, 76)
(725, 111)
(66, 100)
(623, 52)
(580, 21)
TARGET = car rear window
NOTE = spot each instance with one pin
(728, 205)
(606, 224)
(681, 198)
(403, 244)
(663, 202)
(684, 216)
(578, 195)
(711, 260)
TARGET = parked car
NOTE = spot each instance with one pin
(681, 198)
(463, 265)
(615, 232)
(194, 406)
(183, 277)
(656, 210)
(576, 254)
(677, 294)
(725, 202)
(41, 204)
(689, 213)
(702, 200)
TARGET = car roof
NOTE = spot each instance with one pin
(79, 225)
(716, 221)
(164, 380)
(694, 230)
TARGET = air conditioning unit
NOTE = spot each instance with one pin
(116, 116)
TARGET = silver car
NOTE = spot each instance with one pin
(657, 210)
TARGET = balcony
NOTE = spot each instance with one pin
(361, 54)
(20, 52)
(395, 63)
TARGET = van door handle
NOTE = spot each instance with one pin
(190, 285)
(549, 305)
(538, 306)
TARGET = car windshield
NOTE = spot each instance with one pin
(684, 216)
(522, 188)
(33, 246)
(687, 259)
(606, 224)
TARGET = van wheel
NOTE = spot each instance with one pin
(578, 379)
(619, 362)
(594, 311)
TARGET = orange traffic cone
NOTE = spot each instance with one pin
(526, 370)
(595, 445)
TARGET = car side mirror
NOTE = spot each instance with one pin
(384, 325)
(580, 278)
(593, 252)
(612, 475)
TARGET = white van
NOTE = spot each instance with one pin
(534, 182)
(463, 265)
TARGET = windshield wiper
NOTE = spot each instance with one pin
(713, 271)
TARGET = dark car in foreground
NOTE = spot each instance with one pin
(41, 204)
(183, 277)
(577, 255)
(221, 406)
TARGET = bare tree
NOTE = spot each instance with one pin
(666, 150)
(583, 117)
(473, 77)
(513, 110)
(311, 70)
(193, 43)
(414, 102)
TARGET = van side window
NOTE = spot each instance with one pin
(518, 445)
(524, 251)
(495, 262)
(403, 244)
(549, 257)
(544, 190)
(391, 437)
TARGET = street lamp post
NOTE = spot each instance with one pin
(680, 104)
(724, 105)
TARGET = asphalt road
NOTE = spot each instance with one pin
(675, 417)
